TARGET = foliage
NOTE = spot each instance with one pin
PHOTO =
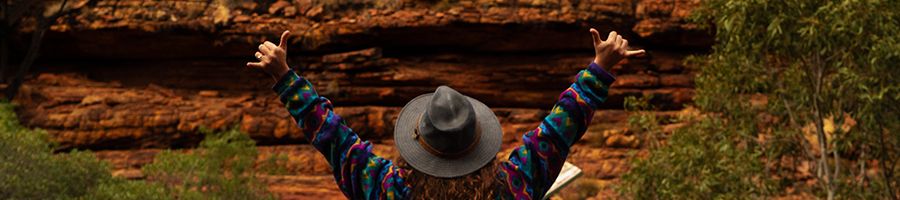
(811, 80)
(221, 168)
(813, 61)
(120, 189)
(709, 159)
(30, 170)
(643, 120)
(701, 161)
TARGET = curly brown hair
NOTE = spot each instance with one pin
(480, 184)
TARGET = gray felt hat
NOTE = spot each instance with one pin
(447, 134)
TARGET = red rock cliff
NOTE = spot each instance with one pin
(132, 74)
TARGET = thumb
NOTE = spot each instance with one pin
(633, 53)
(596, 36)
(284, 40)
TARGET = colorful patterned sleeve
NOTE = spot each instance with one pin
(533, 167)
(359, 173)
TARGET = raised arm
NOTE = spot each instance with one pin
(533, 167)
(359, 173)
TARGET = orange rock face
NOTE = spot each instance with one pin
(125, 75)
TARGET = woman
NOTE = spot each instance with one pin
(447, 141)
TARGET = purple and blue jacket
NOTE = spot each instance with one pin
(529, 172)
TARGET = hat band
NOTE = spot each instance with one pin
(436, 152)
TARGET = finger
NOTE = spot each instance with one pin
(624, 44)
(618, 40)
(612, 37)
(596, 36)
(635, 53)
(284, 39)
(264, 49)
(255, 64)
(271, 46)
(259, 55)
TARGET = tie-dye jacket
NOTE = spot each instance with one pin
(529, 172)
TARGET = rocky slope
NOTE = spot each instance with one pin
(129, 77)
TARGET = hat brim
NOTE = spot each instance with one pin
(420, 159)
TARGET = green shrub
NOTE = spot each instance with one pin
(30, 170)
(706, 159)
(222, 167)
(120, 189)
(700, 161)
(643, 121)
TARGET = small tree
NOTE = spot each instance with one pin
(814, 61)
(807, 80)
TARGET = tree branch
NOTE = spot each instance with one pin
(42, 25)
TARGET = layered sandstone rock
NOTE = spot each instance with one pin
(482, 25)
(131, 77)
(147, 104)
(88, 114)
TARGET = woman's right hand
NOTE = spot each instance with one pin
(612, 50)
(273, 59)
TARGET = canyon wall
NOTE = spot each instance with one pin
(130, 77)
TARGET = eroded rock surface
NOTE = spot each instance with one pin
(131, 77)
(478, 25)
